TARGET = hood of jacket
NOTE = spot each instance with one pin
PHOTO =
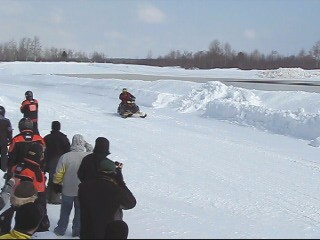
(78, 143)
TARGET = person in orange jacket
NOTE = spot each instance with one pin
(21, 142)
(29, 170)
(29, 107)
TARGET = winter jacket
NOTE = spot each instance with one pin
(29, 108)
(20, 144)
(68, 165)
(7, 216)
(57, 144)
(5, 131)
(100, 200)
(126, 96)
(14, 234)
(30, 170)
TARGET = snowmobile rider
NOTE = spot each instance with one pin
(126, 96)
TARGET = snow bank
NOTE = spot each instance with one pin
(243, 107)
(289, 73)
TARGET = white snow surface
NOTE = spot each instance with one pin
(209, 160)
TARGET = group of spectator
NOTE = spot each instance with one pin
(80, 176)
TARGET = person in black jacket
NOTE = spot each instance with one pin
(57, 144)
(5, 138)
(89, 166)
(102, 200)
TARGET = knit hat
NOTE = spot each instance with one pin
(102, 146)
(106, 165)
(35, 152)
(28, 217)
(24, 193)
(55, 125)
(25, 189)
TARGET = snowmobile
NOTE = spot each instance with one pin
(130, 109)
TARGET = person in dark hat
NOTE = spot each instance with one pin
(27, 219)
(110, 195)
(21, 143)
(5, 138)
(24, 193)
(30, 170)
(89, 166)
(57, 144)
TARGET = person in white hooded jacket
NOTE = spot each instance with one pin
(66, 181)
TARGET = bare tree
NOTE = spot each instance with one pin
(10, 51)
(35, 48)
(98, 57)
(315, 52)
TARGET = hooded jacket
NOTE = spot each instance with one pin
(68, 165)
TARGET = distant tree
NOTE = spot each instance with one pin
(35, 48)
(149, 55)
(315, 53)
(98, 57)
(10, 51)
(64, 55)
(23, 50)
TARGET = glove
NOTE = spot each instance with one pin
(57, 188)
(119, 177)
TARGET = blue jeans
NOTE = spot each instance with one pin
(65, 210)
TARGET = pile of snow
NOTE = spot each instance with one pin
(243, 107)
(289, 73)
(210, 92)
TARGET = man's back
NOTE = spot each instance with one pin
(20, 145)
(107, 197)
(5, 131)
(57, 144)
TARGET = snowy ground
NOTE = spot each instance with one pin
(209, 161)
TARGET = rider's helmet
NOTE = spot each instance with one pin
(25, 124)
(2, 111)
(29, 95)
(124, 90)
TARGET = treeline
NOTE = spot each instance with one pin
(218, 55)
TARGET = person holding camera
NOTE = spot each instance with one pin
(89, 166)
(102, 200)
(66, 181)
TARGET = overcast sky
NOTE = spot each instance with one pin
(136, 28)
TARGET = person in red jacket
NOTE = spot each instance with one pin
(21, 143)
(126, 96)
(29, 108)
(29, 170)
